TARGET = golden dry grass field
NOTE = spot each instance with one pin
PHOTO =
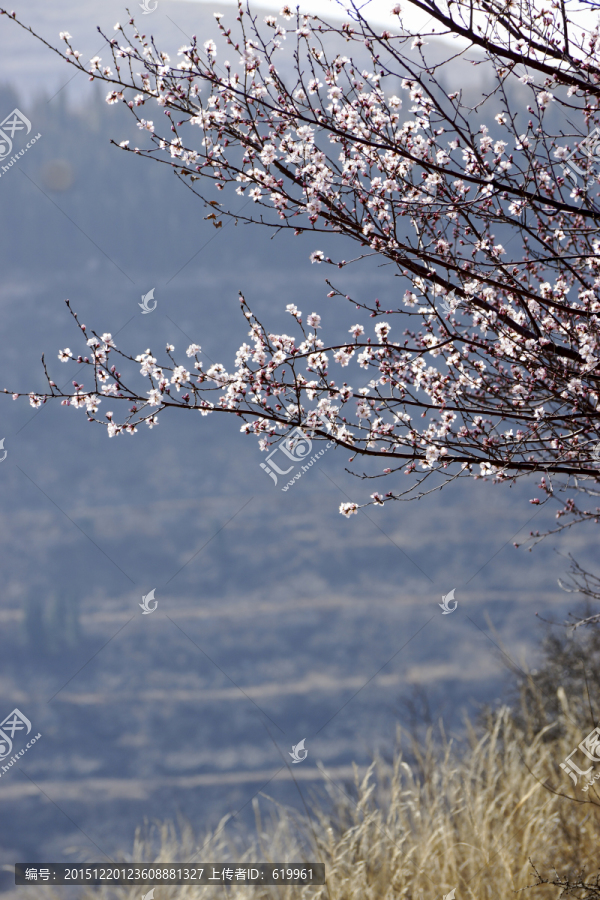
(467, 817)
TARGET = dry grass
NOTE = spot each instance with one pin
(467, 817)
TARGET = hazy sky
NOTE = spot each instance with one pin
(379, 10)
(375, 10)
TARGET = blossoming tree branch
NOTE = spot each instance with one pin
(485, 364)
